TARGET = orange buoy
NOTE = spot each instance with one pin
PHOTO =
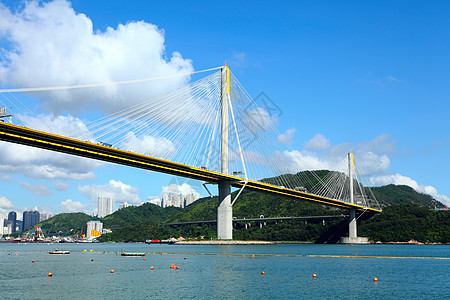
(17, 254)
(375, 279)
(112, 271)
(144, 258)
(32, 261)
(194, 254)
(263, 273)
(178, 267)
(151, 268)
(228, 255)
(314, 275)
(185, 258)
(253, 255)
(243, 255)
(50, 274)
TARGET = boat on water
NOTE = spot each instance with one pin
(169, 241)
(59, 252)
(133, 254)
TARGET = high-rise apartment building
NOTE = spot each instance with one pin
(177, 200)
(94, 228)
(30, 218)
(105, 206)
(12, 218)
(124, 205)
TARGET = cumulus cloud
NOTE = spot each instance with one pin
(38, 163)
(37, 190)
(5, 206)
(70, 206)
(398, 179)
(286, 138)
(335, 157)
(318, 142)
(116, 189)
(52, 45)
(149, 145)
(5, 203)
(184, 189)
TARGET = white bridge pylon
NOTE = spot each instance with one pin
(225, 207)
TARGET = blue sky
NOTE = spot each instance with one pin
(367, 77)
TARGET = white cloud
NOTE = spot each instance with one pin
(184, 189)
(119, 191)
(318, 142)
(37, 190)
(149, 145)
(398, 179)
(286, 138)
(5, 203)
(154, 200)
(38, 163)
(5, 177)
(61, 186)
(70, 206)
(258, 120)
(335, 157)
(5, 206)
(52, 45)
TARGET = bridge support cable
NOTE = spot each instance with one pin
(210, 195)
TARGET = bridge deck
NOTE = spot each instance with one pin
(53, 142)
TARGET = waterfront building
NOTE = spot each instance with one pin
(124, 205)
(105, 206)
(94, 228)
(12, 218)
(30, 218)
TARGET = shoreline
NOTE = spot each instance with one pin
(224, 242)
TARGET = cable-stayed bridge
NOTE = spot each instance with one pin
(210, 130)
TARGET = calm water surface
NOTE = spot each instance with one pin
(208, 275)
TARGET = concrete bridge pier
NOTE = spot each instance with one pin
(352, 229)
(224, 212)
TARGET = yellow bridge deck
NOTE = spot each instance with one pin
(25, 136)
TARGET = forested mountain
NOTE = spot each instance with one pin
(406, 215)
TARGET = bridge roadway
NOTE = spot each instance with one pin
(39, 139)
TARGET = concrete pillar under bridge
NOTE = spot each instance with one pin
(352, 229)
(224, 212)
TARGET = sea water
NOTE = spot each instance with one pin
(207, 272)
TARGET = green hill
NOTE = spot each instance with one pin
(146, 212)
(401, 194)
(148, 221)
(405, 222)
(66, 224)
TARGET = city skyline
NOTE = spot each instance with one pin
(366, 78)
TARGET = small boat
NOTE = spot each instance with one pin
(169, 241)
(133, 254)
(59, 252)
